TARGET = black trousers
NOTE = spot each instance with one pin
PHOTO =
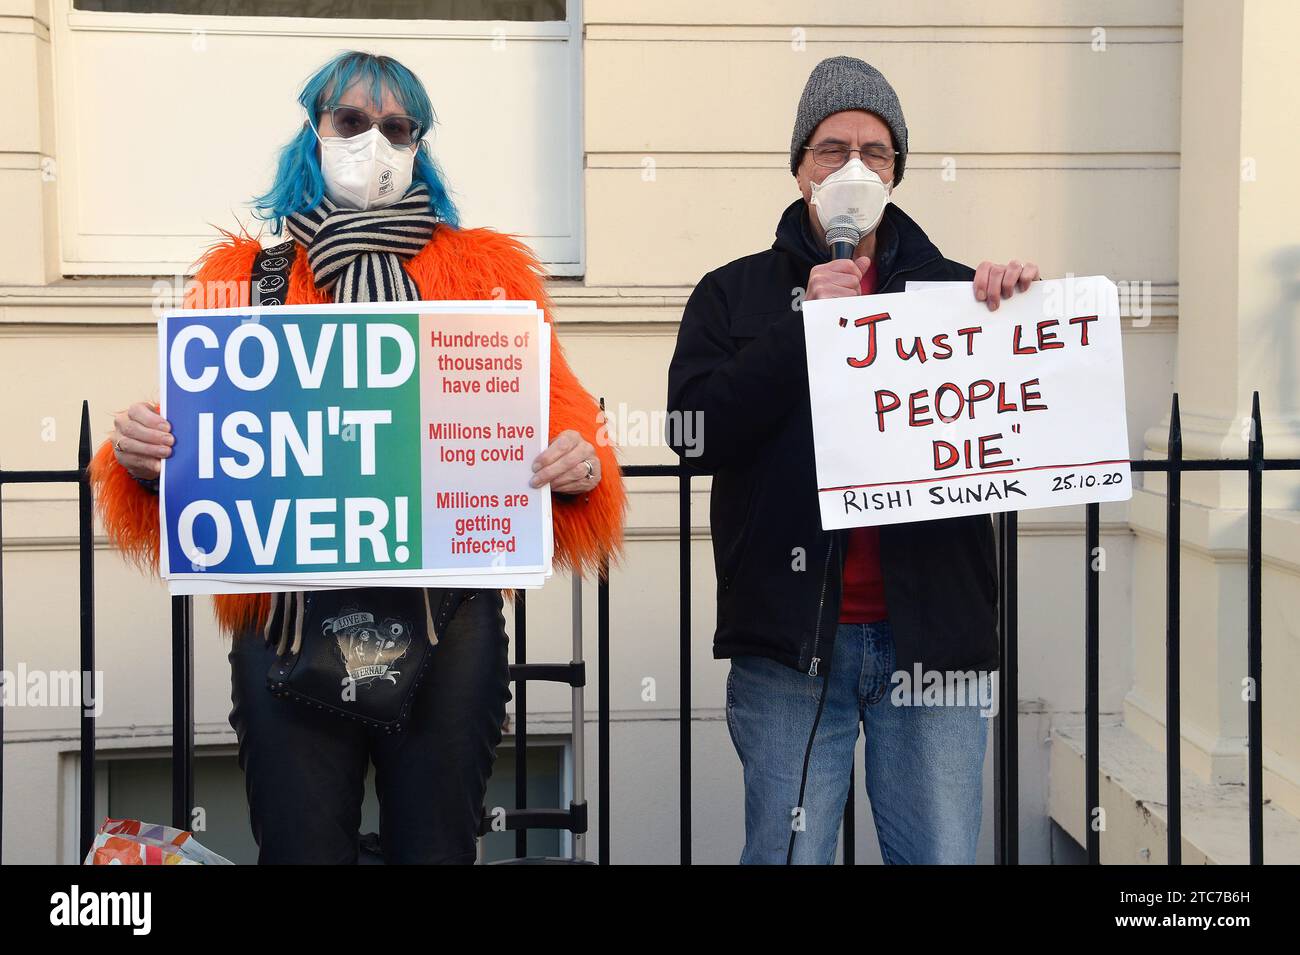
(305, 769)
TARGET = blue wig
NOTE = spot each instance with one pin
(299, 185)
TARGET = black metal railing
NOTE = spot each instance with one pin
(522, 819)
(86, 594)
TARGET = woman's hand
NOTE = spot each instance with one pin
(995, 282)
(569, 465)
(141, 439)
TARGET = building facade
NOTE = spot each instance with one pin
(636, 145)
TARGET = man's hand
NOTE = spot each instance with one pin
(995, 282)
(838, 279)
(141, 439)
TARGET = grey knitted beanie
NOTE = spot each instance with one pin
(845, 82)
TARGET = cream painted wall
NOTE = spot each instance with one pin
(1237, 262)
(1026, 142)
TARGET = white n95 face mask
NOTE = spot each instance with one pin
(366, 171)
(852, 190)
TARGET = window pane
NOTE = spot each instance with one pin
(352, 9)
(142, 789)
(545, 790)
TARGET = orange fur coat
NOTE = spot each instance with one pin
(464, 264)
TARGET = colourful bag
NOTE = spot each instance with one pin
(131, 842)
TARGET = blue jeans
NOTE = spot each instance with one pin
(924, 764)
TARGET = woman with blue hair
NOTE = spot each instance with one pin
(370, 219)
(341, 96)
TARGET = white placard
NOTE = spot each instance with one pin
(1009, 410)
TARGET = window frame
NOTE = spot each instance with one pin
(76, 260)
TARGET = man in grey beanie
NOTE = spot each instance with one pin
(816, 622)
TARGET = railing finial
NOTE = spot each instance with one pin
(1175, 429)
(1256, 444)
(83, 442)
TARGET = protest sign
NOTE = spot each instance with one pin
(355, 445)
(927, 405)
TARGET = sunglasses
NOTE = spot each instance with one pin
(397, 129)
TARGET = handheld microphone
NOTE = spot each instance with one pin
(842, 235)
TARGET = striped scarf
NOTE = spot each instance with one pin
(360, 253)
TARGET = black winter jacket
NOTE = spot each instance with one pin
(740, 368)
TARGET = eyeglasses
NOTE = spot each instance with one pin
(398, 129)
(835, 155)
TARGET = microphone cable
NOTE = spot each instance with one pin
(807, 757)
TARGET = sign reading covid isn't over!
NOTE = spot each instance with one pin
(358, 445)
(927, 405)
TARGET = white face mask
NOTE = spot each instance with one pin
(366, 171)
(852, 190)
